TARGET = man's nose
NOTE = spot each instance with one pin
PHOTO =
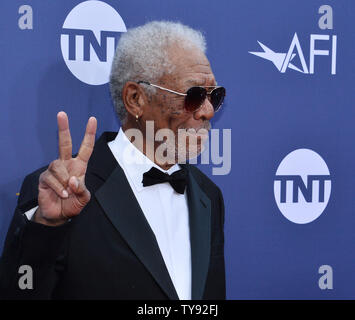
(205, 112)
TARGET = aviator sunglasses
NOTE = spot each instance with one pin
(195, 96)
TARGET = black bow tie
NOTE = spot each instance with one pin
(178, 179)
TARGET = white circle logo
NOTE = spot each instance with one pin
(302, 186)
(88, 40)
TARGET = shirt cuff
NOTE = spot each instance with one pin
(29, 214)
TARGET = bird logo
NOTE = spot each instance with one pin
(281, 60)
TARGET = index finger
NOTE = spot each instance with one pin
(65, 142)
(87, 146)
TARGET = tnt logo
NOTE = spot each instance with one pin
(88, 40)
(302, 186)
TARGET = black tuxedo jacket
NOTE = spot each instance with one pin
(109, 251)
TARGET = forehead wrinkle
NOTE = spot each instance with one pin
(198, 67)
(197, 62)
(201, 81)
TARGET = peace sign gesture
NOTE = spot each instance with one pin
(62, 190)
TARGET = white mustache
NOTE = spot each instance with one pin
(206, 126)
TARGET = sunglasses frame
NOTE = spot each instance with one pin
(185, 94)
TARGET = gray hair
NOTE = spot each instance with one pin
(142, 54)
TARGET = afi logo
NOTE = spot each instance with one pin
(283, 60)
(88, 40)
(302, 186)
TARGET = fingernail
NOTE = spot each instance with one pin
(65, 194)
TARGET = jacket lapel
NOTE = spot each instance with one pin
(200, 236)
(128, 218)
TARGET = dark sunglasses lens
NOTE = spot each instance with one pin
(217, 97)
(194, 98)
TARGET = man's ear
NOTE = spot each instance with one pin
(134, 98)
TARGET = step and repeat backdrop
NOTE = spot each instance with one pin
(286, 163)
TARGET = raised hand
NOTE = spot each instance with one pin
(62, 190)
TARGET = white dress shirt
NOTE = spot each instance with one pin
(165, 210)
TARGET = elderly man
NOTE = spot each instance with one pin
(121, 220)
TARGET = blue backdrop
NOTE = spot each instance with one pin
(274, 106)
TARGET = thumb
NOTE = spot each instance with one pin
(79, 189)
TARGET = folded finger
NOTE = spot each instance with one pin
(48, 180)
(79, 189)
(59, 171)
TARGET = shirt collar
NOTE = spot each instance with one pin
(133, 162)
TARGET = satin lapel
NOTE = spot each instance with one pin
(200, 236)
(128, 218)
